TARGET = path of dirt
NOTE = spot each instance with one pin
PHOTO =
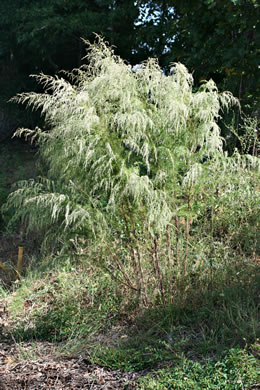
(35, 366)
(59, 374)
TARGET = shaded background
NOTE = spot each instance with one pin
(214, 39)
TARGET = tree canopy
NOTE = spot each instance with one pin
(218, 39)
(214, 39)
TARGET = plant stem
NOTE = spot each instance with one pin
(121, 269)
(159, 274)
(132, 252)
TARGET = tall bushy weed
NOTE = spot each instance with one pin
(138, 183)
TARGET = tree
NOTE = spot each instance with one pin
(136, 158)
(47, 36)
(216, 39)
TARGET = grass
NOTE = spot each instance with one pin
(194, 332)
(3, 292)
(62, 304)
(80, 307)
(210, 342)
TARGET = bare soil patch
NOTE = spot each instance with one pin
(59, 374)
(35, 366)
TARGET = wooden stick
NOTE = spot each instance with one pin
(20, 260)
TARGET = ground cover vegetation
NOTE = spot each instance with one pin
(144, 222)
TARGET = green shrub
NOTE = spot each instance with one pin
(138, 182)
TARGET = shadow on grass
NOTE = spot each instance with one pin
(198, 332)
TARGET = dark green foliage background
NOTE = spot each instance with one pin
(218, 39)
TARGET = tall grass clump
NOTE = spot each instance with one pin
(66, 302)
(138, 182)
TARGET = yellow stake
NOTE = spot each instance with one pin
(20, 260)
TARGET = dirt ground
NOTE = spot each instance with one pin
(35, 366)
(58, 374)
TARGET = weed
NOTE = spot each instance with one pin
(236, 370)
(139, 181)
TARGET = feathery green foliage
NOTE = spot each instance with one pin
(137, 176)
